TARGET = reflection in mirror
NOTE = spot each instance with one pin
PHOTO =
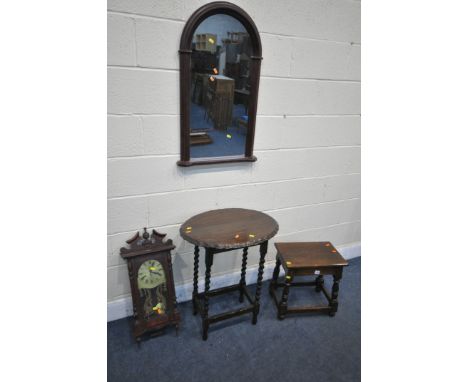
(220, 88)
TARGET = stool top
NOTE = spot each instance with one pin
(229, 228)
(309, 255)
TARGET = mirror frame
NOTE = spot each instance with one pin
(185, 56)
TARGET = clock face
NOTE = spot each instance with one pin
(152, 287)
(150, 274)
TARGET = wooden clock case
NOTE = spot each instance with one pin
(142, 249)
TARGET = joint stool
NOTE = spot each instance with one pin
(305, 259)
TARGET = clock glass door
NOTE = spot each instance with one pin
(153, 289)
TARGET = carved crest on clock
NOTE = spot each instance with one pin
(154, 242)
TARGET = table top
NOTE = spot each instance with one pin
(309, 255)
(229, 228)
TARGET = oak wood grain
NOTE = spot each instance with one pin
(229, 228)
(309, 255)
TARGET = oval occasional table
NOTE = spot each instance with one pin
(221, 231)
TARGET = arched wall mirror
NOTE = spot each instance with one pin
(220, 56)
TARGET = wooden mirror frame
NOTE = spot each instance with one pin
(185, 55)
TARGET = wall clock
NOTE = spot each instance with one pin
(152, 283)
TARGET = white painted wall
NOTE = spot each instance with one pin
(307, 142)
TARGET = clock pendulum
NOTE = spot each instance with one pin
(148, 303)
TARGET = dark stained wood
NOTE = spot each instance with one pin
(229, 228)
(319, 283)
(283, 305)
(255, 64)
(231, 314)
(208, 264)
(147, 244)
(306, 259)
(334, 296)
(309, 255)
(185, 53)
(216, 160)
(215, 292)
(214, 231)
(298, 283)
(139, 250)
(184, 62)
(263, 251)
(195, 278)
(243, 269)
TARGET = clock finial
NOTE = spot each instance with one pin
(146, 241)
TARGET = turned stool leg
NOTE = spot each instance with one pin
(208, 264)
(334, 295)
(195, 279)
(242, 280)
(283, 306)
(274, 279)
(319, 283)
(263, 251)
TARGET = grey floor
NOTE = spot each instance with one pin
(311, 347)
(221, 145)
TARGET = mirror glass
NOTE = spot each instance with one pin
(220, 88)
